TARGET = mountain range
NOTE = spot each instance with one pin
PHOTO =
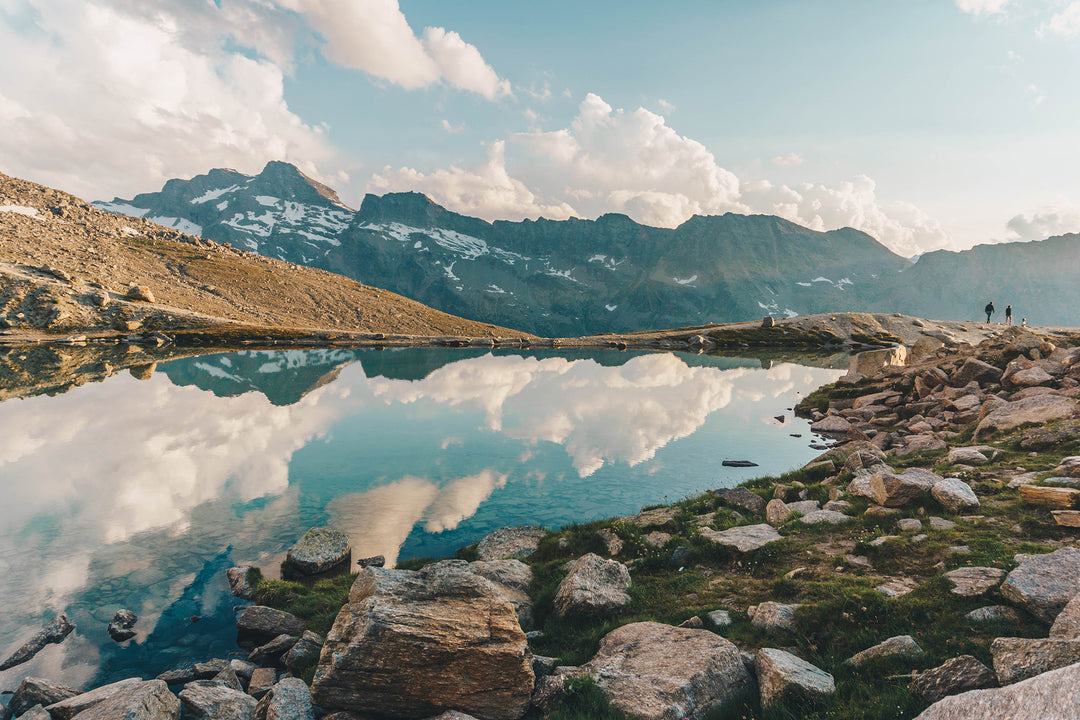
(612, 274)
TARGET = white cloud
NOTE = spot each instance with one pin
(665, 106)
(1045, 223)
(452, 129)
(982, 7)
(611, 160)
(374, 36)
(1036, 96)
(1065, 23)
(89, 86)
(792, 158)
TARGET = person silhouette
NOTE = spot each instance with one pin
(989, 310)
(1008, 314)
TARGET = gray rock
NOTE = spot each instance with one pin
(515, 542)
(937, 523)
(954, 494)
(38, 691)
(743, 538)
(242, 668)
(35, 713)
(1052, 696)
(966, 456)
(974, 369)
(741, 497)
(861, 486)
(804, 506)
(72, 706)
(592, 585)
(1044, 584)
(612, 542)
(259, 624)
(772, 616)
(272, 652)
(925, 442)
(204, 700)
(54, 632)
(262, 679)
(228, 678)
(122, 626)
(289, 699)
(321, 550)
(719, 618)
(911, 486)
(970, 581)
(830, 424)
(830, 517)
(453, 715)
(776, 512)
(908, 524)
(780, 674)
(1067, 624)
(994, 613)
(1038, 409)
(957, 675)
(659, 672)
(896, 588)
(837, 506)
(899, 646)
(142, 700)
(1017, 659)
(238, 582)
(304, 653)
(860, 562)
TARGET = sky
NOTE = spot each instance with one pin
(928, 124)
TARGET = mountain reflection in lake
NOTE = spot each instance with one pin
(138, 494)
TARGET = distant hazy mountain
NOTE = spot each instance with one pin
(610, 274)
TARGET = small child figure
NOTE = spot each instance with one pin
(1023, 322)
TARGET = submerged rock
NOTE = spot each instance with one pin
(122, 626)
(54, 632)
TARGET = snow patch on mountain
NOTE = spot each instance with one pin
(267, 200)
(181, 224)
(19, 210)
(213, 194)
(120, 208)
(687, 281)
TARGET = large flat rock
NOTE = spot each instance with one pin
(745, 537)
(1044, 584)
(1051, 696)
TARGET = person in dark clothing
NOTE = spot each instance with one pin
(1008, 314)
(989, 310)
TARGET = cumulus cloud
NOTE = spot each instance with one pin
(1043, 224)
(611, 160)
(87, 86)
(982, 7)
(1064, 24)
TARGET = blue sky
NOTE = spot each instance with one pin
(929, 123)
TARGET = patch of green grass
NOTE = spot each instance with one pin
(318, 603)
(582, 700)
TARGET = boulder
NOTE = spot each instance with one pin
(920, 443)
(741, 497)
(1052, 696)
(226, 677)
(894, 647)
(612, 542)
(659, 672)
(54, 632)
(415, 644)
(206, 700)
(976, 370)
(910, 486)
(271, 653)
(259, 624)
(288, 699)
(830, 517)
(242, 668)
(122, 626)
(970, 581)
(38, 691)
(830, 424)
(1053, 497)
(593, 584)
(1044, 584)
(719, 618)
(72, 706)
(957, 675)
(1031, 377)
(140, 292)
(776, 512)
(780, 674)
(994, 613)
(1017, 659)
(938, 523)
(966, 456)
(304, 653)
(193, 671)
(743, 538)
(954, 494)
(321, 550)
(262, 679)
(649, 518)
(238, 582)
(804, 506)
(908, 524)
(515, 542)
(141, 700)
(35, 713)
(1067, 624)
(1039, 409)
(772, 616)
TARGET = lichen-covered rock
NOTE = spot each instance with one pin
(1018, 659)
(1044, 584)
(288, 699)
(274, 651)
(896, 490)
(743, 538)
(72, 706)
(993, 613)
(954, 494)
(321, 550)
(659, 672)
(899, 646)
(304, 653)
(510, 542)
(977, 370)
(743, 498)
(142, 700)
(206, 700)
(830, 517)
(259, 624)
(238, 582)
(592, 584)
(957, 675)
(776, 512)
(413, 644)
(38, 691)
(970, 581)
(1051, 696)
(772, 616)
(1038, 409)
(830, 424)
(780, 673)
(1067, 624)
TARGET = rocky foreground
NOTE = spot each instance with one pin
(926, 565)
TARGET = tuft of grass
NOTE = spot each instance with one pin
(318, 603)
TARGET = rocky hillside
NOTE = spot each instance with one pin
(66, 266)
(551, 278)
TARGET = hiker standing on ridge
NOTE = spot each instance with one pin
(989, 310)
(1008, 314)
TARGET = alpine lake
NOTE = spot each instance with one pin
(139, 489)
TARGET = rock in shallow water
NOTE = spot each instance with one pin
(321, 550)
(54, 632)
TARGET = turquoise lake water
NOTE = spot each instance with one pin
(140, 493)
